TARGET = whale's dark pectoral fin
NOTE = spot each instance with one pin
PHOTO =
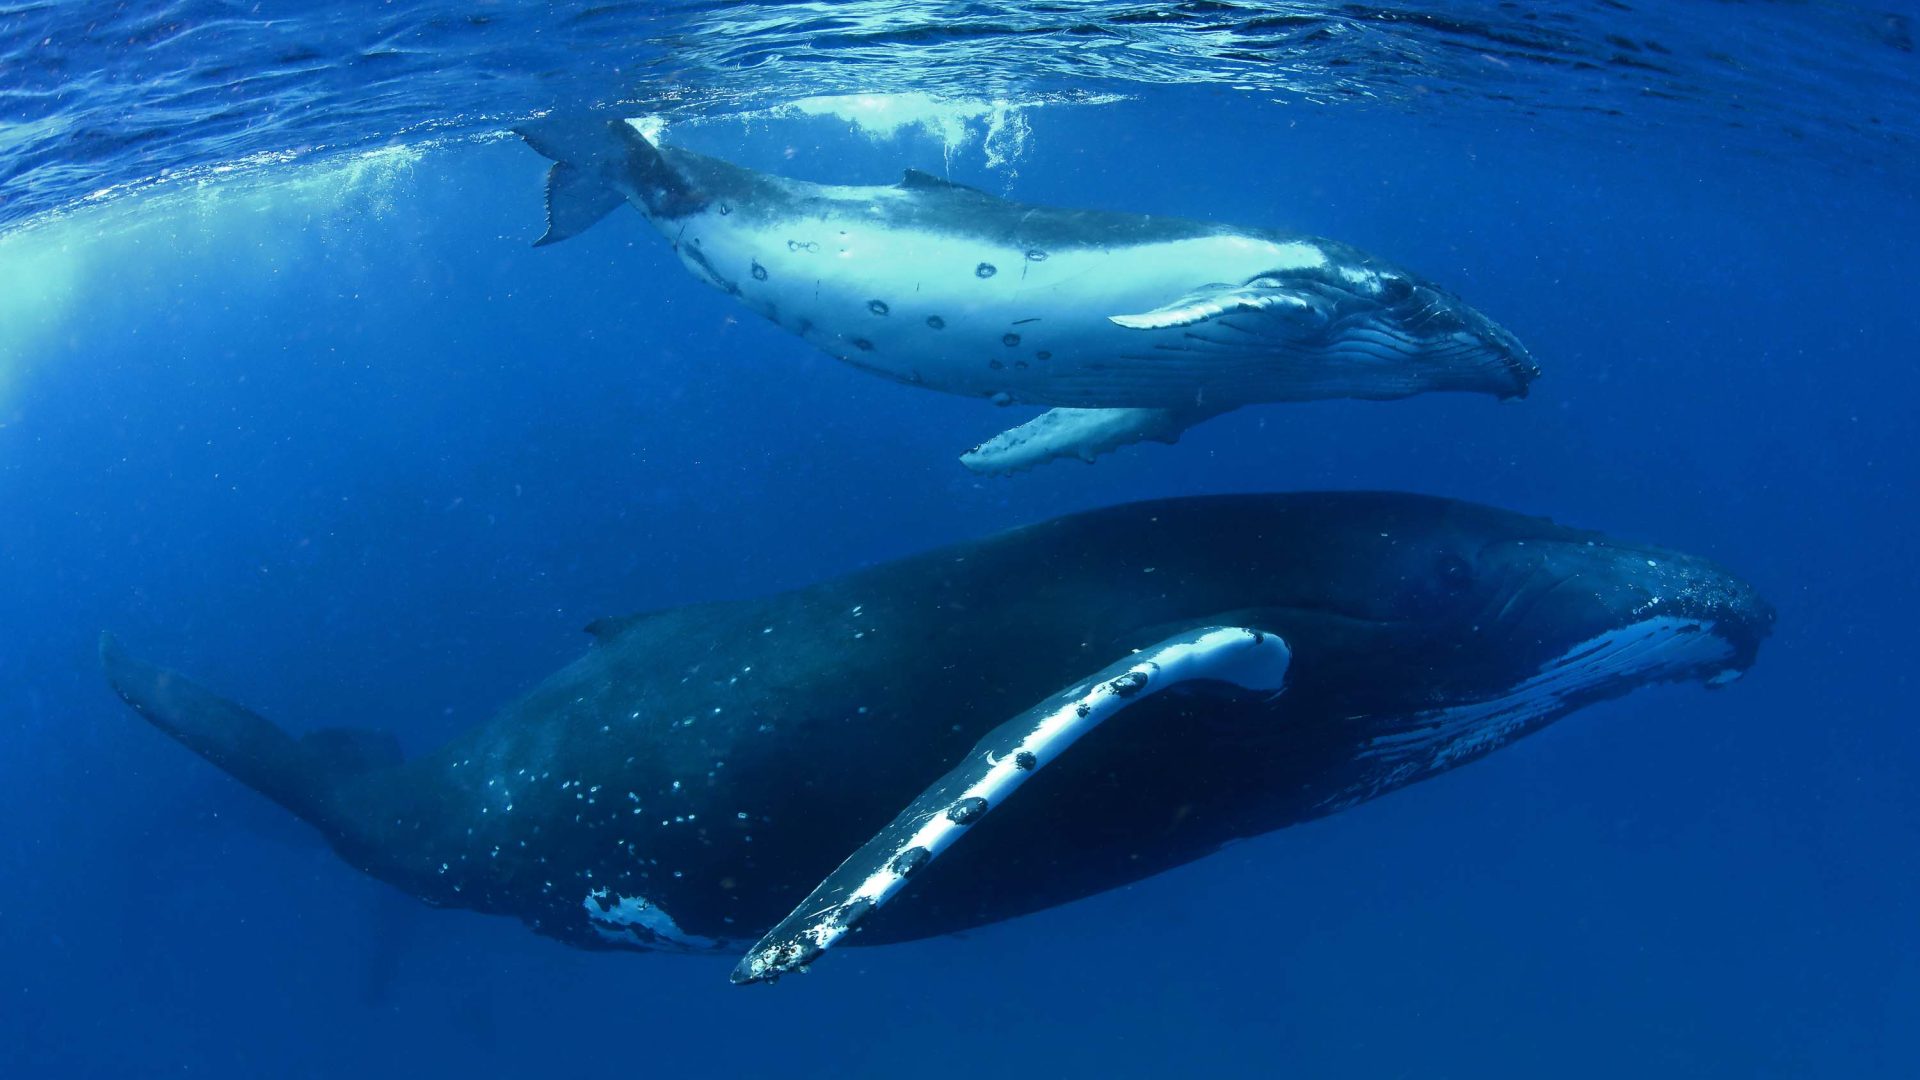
(1078, 433)
(991, 771)
(299, 774)
(1264, 295)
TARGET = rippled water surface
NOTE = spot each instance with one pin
(99, 97)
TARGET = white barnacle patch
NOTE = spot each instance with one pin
(637, 922)
(1002, 761)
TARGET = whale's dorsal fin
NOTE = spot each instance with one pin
(607, 627)
(997, 765)
(915, 180)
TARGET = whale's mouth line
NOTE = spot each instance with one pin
(1364, 346)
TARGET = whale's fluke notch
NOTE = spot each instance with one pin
(1078, 433)
(998, 764)
(598, 164)
(299, 774)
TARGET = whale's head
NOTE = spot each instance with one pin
(1396, 333)
(1396, 317)
(1587, 616)
(1323, 319)
(1455, 628)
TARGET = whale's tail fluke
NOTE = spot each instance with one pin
(599, 164)
(304, 775)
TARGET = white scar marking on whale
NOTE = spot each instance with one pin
(1361, 277)
(637, 911)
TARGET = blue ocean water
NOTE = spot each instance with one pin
(288, 401)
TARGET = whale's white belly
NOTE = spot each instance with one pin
(967, 315)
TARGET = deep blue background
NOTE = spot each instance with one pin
(356, 454)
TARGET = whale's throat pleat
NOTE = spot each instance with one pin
(1657, 648)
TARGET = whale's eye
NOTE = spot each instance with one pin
(1453, 572)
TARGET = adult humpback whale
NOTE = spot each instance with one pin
(1133, 327)
(1250, 662)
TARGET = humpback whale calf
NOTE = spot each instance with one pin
(1128, 326)
(992, 728)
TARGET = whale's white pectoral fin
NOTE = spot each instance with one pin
(1078, 433)
(1212, 301)
(1006, 758)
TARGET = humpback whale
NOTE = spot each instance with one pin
(992, 728)
(1127, 326)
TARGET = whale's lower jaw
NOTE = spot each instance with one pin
(1655, 649)
(1171, 380)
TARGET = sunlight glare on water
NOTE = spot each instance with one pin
(39, 286)
(255, 219)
